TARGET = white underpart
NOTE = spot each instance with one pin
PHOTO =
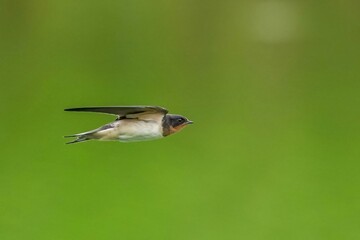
(130, 130)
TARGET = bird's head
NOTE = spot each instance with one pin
(174, 123)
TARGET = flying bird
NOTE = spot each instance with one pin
(133, 123)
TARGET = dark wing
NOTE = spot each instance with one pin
(121, 111)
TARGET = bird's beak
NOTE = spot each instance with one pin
(189, 122)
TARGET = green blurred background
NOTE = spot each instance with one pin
(273, 87)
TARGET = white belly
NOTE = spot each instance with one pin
(132, 130)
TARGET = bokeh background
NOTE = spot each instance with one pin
(273, 87)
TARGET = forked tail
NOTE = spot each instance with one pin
(79, 138)
(93, 134)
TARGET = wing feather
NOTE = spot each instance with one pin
(122, 111)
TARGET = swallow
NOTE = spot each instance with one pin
(133, 123)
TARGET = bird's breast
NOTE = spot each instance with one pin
(135, 130)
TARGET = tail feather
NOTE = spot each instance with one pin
(85, 136)
(79, 138)
(69, 136)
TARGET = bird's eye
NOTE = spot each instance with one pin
(181, 120)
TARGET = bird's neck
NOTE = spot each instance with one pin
(166, 127)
